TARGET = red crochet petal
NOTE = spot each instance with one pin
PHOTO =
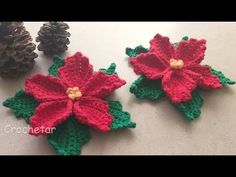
(45, 88)
(207, 79)
(149, 65)
(195, 76)
(101, 85)
(162, 47)
(93, 112)
(191, 51)
(76, 70)
(48, 115)
(178, 86)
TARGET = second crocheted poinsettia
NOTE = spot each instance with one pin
(71, 99)
(174, 70)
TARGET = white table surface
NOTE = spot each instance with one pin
(161, 129)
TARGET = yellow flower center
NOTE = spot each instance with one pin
(176, 64)
(73, 93)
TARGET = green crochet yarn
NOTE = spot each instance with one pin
(185, 38)
(57, 63)
(144, 88)
(120, 119)
(110, 70)
(191, 109)
(22, 105)
(224, 80)
(151, 89)
(133, 52)
(69, 137)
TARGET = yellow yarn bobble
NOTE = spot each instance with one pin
(73, 93)
(176, 64)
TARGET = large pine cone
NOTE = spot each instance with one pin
(53, 38)
(16, 49)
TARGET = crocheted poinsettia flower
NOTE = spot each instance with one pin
(65, 104)
(178, 67)
(77, 91)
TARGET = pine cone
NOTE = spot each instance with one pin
(16, 49)
(53, 38)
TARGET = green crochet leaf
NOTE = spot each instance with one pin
(144, 88)
(224, 80)
(185, 38)
(22, 105)
(120, 119)
(69, 137)
(57, 63)
(110, 70)
(133, 52)
(191, 109)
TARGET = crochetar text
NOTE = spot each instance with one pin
(11, 129)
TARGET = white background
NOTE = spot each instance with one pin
(161, 129)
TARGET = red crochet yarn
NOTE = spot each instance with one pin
(179, 68)
(77, 91)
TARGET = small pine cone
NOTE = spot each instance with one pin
(53, 38)
(16, 49)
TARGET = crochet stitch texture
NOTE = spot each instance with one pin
(56, 106)
(72, 99)
(178, 68)
(174, 70)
